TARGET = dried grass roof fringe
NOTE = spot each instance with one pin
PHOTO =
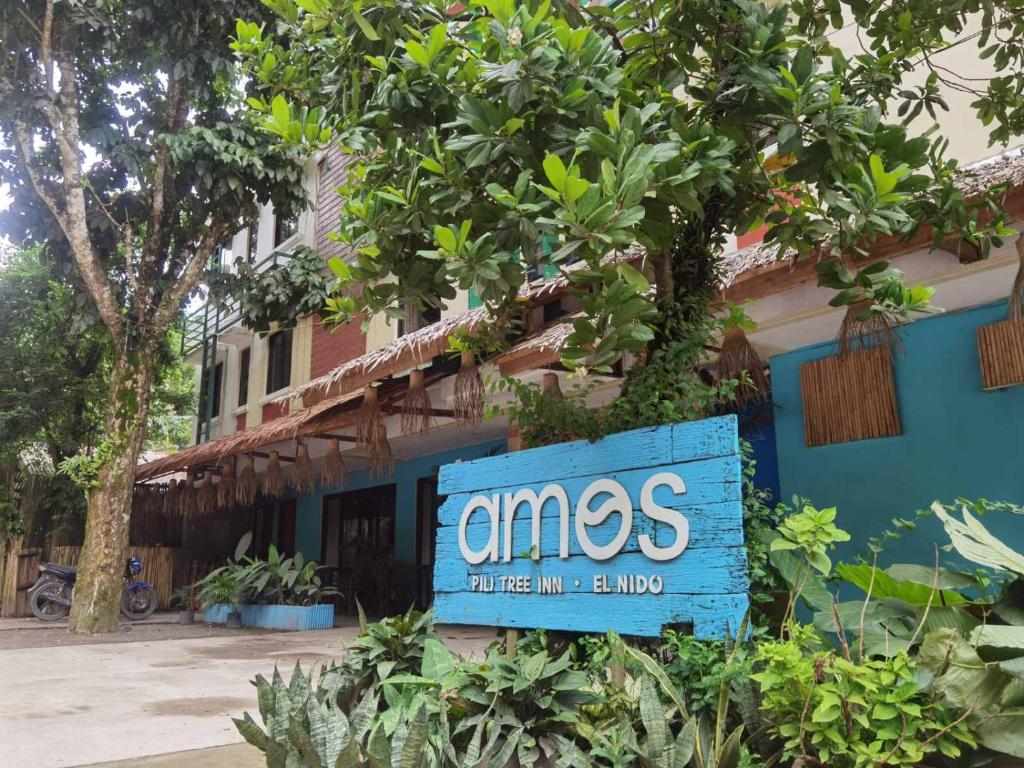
(421, 346)
(405, 352)
(287, 427)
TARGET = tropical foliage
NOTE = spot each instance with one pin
(128, 161)
(506, 137)
(55, 383)
(923, 670)
(276, 580)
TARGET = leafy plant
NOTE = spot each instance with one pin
(282, 580)
(531, 696)
(282, 293)
(221, 586)
(800, 553)
(391, 646)
(302, 728)
(843, 713)
(186, 598)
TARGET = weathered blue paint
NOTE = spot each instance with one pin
(957, 440)
(295, 618)
(705, 585)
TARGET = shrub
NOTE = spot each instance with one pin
(844, 714)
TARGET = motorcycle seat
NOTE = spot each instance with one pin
(61, 571)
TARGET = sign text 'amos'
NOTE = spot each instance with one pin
(638, 530)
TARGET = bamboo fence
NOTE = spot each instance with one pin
(157, 566)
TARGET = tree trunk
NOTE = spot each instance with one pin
(97, 595)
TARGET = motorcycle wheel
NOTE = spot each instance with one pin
(47, 609)
(138, 604)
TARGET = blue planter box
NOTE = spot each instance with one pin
(297, 618)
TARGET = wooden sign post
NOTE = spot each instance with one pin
(631, 533)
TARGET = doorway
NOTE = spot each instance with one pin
(427, 504)
(358, 547)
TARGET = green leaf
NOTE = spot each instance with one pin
(365, 27)
(655, 670)
(418, 54)
(555, 170)
(282, 112)
(972, 540)
(340, 268)
(447, 239)
(438, 661)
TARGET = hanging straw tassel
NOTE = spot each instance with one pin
(372, 434)
(416, 406)
(273, 479)
(738, 357)
(186, 498)
(303, 479)
(333, 473)
(226, 487)
(245, 485)
(206, 500)
(873, 329)
(469, 391)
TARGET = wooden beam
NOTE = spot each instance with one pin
(332, 436)
(263, 455)
(444, 413)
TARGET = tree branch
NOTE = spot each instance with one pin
(183, 285)
(46, 47)
(156, 242)
(74, 222)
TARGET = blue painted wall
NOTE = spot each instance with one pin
(757, 427)
(310, 505)
(958, 440)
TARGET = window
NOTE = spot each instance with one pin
(204, 390)
(279, 361)
(243, 377)
(415, 319)
(254, 236)
(850, 398)
(284, 227)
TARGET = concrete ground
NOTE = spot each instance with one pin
(139, 702)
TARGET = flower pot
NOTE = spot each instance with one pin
(186, 617)
(234, 620)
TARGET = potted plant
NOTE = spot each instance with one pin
(184, 599)
(222, 587)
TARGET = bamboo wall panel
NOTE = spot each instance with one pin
(849, 398)
(1001, 353)
(157, 566)
(21, 572)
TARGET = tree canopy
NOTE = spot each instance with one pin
(127, 156)
(492, 136)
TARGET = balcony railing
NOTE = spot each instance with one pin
(214, 318)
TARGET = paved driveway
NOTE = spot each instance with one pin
(81, 704)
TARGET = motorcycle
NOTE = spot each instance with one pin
(50, 597)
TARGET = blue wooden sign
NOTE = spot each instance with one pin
(633, 532)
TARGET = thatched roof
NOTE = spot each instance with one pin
(404, 353)
(321, 417)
